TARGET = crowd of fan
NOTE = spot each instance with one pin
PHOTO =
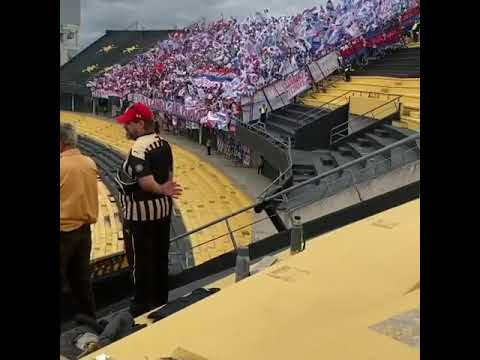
(213, 64)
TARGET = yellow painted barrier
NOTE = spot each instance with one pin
(352, 294)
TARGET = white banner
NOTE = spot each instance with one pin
(105, 94)
(328, 64)
(189, 113)
(315, 71)
(275, 98)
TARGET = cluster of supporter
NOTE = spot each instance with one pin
(213, 64)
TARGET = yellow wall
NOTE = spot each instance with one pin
(319, 304)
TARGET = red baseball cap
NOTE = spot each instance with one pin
(136, 112)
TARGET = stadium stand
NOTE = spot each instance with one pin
(210, 66)
(301, 307)
(107, 235)
(402, 63)
(337, 138)
(208, 194)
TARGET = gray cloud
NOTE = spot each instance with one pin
(100, 15)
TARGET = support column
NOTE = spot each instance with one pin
(200, 134)
(94, 107)
(73, 102)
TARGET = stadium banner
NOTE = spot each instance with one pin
(387, 38)
(315, 71)
(297, 83)
(276, 95)
(328, 64)
(174, 108)
(105, 94)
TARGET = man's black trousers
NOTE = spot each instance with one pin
(147, 244)
(75, 247)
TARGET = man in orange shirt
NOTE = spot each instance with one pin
(78, 210)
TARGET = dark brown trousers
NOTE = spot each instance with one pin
(75, 247)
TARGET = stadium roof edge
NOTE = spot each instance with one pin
(72, 71)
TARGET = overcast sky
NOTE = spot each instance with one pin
(100, 15)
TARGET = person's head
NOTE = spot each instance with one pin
(68, 137)
(137, 121)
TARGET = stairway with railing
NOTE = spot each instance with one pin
(352, 168)
(358, 136)
(366, 92)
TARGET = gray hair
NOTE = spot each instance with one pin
(68, 134)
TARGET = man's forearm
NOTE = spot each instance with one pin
(150, 185)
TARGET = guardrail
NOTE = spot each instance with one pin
(340, 131)
(283, 195)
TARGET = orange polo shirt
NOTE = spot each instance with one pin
(78, 190)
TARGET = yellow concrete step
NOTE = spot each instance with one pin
(386, 81)
(411, 123)
(415, 114)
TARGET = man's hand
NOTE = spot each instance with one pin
(171, 188)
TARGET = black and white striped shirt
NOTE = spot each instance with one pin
(150, 155)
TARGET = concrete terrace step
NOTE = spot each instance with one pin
(411, 122)
(301, 178)
(303, 170)
(415, 114)
(280, 128)
(285, 120)
(398, 133)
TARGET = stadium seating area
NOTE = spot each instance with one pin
(208, 193)
(301, 307)
(209, 66)
(107, 235)
(368, 92)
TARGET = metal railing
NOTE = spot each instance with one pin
(283, 194)
(260, 128)
(342, 130)
(372, 170)
(330, 104)
(284, 175)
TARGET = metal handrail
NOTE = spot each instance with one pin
(302, 184)
(328, 102)
(262, 131)
(351, 172)
(342, 125)
(346, 165)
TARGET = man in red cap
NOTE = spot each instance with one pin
(146, 192)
